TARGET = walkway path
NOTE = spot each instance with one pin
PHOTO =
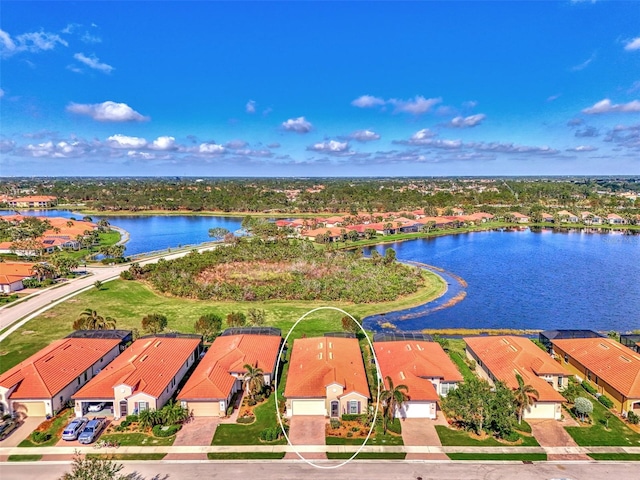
(305, 430)
(198, 432)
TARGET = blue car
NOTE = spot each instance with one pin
(92, 430)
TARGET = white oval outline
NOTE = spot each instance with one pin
(275, 391)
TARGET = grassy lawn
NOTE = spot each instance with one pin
(248, 434)
(127, 456)
(138, 439)
(457, 355)
(618, 434)
(523, 457)
(56, 426)
(618, 457)
(246, 456)
(24, 458)
(129, 301)
(450, 438)
(366, 456)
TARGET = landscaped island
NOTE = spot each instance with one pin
(254, 270)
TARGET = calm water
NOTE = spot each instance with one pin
(516, 279)
(522, 279)
(155, 232)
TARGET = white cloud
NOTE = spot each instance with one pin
(583, 65)
(124, 141)
(467, 122)
(236, 144)
(582, 148)
(605, 106)
(299, 125)
(364, 136)
(415, 106)
(211, 148)
(164, 143)
(107, 111)
(511, 148)
(6, 145)
(633, 44)
(61, 149)
(140, 155)
(88, 38)
(330, 147)
(250, 107)
(553, 98)
(93, 62)
(29, 42)
(1, 93)
(470, 104)
(368, 101)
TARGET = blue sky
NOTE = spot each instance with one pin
(320, 88)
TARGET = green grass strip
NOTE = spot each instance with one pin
(523, 457)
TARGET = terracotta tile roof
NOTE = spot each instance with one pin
(34, 198)
(212, 377)
(148, 365)
(47, 372)
(412, 363)
(333, 231)
(11, 272)
(321, 361)
(616, 364)
(504, 356)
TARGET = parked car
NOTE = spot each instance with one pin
(96, 407)
(6, 427)
(74, 428)
(91, 431)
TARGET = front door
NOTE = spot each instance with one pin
(123, 408)
(335, 408)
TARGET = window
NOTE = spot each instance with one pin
(78, 380)
(566, 358)
(445, 388)
(142, 406)
(354, 407)
(85, 376)
(588, 375)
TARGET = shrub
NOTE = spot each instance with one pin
(587, 386)
(349, 434)
(606, 401)
(355, 429)
(349, 417)
(126, 275)
(229, 410)
(633, 418)
(247, 419)
(259, 398)
(512, 436)
(394, 426)
(270, 434)
(40, 437)
(131, 418)
(160, 431)
(251, 402)
(583, 406)
(335, 423)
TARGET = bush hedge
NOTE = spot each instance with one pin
(271, 434)
(160, 431)
(606, 401)
(589, 388)
(40, 437)
(349, 417)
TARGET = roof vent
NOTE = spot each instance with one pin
(320, 356)
(408, 347)
(605, 346)
(144, 357)
(320, 345)
(505, 341)
(625, 359)
(330, 355)
(49, 358)
(402, 375)
(513, 348)
(158, 343)
(419, 347)
(330, 344)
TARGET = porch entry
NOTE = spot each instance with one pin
(123, 408)
(335, 408)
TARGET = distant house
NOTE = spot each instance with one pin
(613, 219)
(567, 217)
(35, 201)
(145, 376)
(333, 234)
(632, 341)
(546, 337)
(546, 217)
(43, 383)
(612, 368)
(519, 217)
(326, 377)
(12, 274)
(221, 372)
(502, 357)
(424, 368)
(589, 218)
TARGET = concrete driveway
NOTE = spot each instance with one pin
(307, 430)
(199, 431)
(551, 433)
(29, 424)
(422, 432)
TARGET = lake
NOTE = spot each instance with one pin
(516, 279)
(531, 280)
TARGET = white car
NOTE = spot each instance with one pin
(95, 407)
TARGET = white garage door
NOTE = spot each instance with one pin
(541, 410)
(308, 407)
(418, 410)
(204, 409)
(31, 409)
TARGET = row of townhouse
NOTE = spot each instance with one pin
(32, 201)
(612, 368)
(564, 216)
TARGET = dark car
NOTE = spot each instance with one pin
(91, 430)
(74, 428)
(6, 427)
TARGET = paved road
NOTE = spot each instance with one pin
(295, 470)
(21, 313)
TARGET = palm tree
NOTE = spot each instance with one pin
(90, 320)
(42, 270)
(253, 380)
(173, 413)
(392, 400)
(525, 396)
